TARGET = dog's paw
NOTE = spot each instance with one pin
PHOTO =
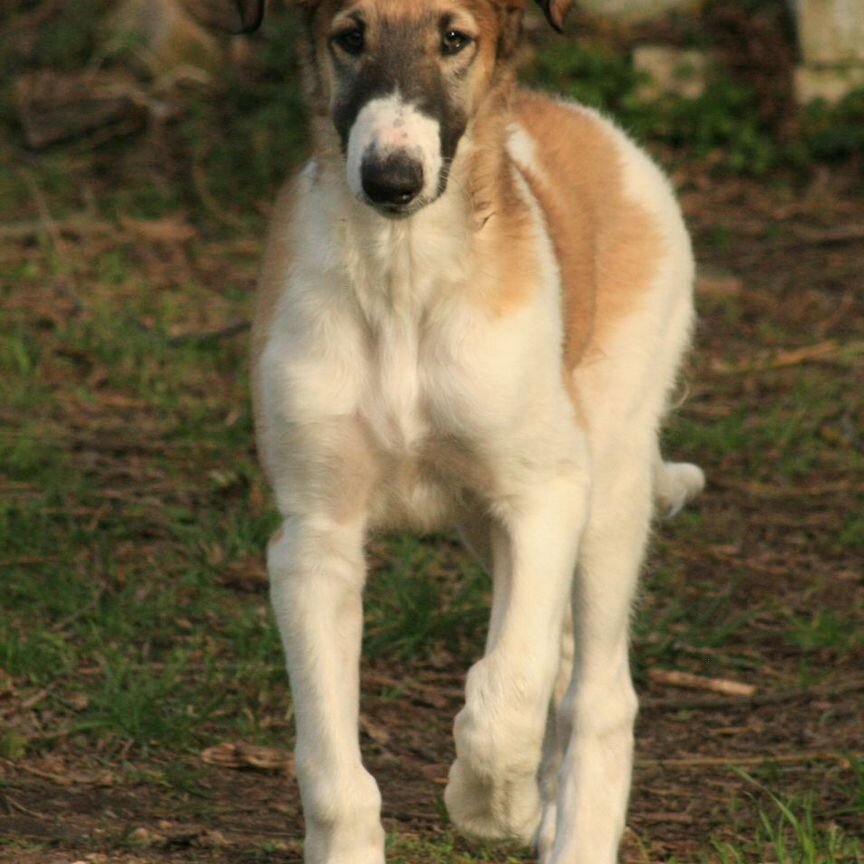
(675, 484)
(492, 808)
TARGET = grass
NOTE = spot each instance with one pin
(134, 622)
(448, 849)
(415, 602)
(788, 830)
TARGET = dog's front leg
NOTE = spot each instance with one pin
(493, 789)
(317, 573)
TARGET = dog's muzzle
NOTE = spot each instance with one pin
(393, 157)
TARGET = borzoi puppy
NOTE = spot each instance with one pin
(473, 305)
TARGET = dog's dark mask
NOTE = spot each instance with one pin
(400, 82)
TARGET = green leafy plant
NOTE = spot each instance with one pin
(835, 132)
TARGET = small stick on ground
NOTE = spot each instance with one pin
(775, 697)
(749, 761)
(232, 329)
(829, 351)
(675, 678)
(45, 217)
(80, 225)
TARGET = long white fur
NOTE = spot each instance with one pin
(372, 336)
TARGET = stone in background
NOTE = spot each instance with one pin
(164, 38)
(831, 36)
(831, 31)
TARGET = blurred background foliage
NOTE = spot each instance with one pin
(241, 126)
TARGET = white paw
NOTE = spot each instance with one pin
(503, 807)
(676, 483)
(344, 847)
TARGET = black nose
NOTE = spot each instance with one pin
(394, 180)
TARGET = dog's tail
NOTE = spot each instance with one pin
(676, 483)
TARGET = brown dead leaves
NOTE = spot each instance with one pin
(240, 755)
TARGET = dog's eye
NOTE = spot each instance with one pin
(452, 42)
(351, 41)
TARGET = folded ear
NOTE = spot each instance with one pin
(556, 11)
(233, 16)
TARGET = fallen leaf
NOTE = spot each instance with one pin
(169, 229)
(213, 839)
(146, 837)
(718, 284)
(247, 575)
(7, 682)
(241, 755)
(79, 701)
(375, 731)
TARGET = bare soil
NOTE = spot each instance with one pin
(790, 258)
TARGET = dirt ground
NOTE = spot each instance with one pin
(791, 260)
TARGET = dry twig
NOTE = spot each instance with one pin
(675, 678)
(827, 351)
(771, 698)
(749, 761)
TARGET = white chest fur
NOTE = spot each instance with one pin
(404, 288)
(377, 330)
(392, 400)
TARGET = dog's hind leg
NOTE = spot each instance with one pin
(674, 485)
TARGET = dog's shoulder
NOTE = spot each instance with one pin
(281, 249)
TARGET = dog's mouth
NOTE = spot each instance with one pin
(396, 211)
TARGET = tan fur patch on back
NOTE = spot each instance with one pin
(608, 246)
(503, 240)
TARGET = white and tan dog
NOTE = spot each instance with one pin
(473, 304)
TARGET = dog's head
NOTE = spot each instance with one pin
(400, 81)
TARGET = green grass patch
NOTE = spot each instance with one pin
(418, 602)
(788, 829)
(824, 629)
(449, 848)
